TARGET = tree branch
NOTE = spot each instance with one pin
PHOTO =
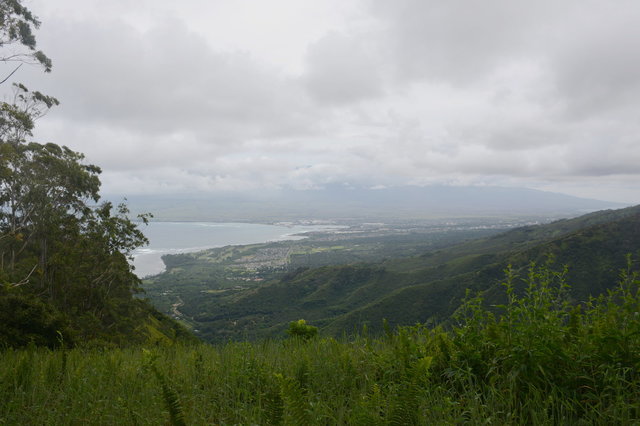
(26, 279)
(12, 73)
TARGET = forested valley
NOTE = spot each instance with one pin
(346, 281)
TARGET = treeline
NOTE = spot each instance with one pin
(65, 275)
(536, 359)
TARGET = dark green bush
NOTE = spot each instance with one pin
(26, 320)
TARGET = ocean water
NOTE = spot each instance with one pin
(183, 237)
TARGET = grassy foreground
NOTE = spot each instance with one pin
(536, 359)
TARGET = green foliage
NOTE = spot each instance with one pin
(55, 247)
(533, 360)
(16, 27)
(26, 320)
(539, 344)
(169, 395)
(302, 330)
(64, 258)
(296, 405)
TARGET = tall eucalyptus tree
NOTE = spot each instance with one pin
(64, 256)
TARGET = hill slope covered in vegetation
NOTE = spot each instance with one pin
(422, 288)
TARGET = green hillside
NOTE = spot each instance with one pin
(423, 288)
(594, 255)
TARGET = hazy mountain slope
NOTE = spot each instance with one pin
(595, 255)
(342, 298)
(514, 240)
(342, 202)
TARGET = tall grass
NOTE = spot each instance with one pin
(535, 359)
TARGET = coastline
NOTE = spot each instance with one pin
(168, 238)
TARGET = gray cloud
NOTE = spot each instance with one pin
(234, 96)
(598, 64)
(455, 41)
(165, 79)
(342, 70)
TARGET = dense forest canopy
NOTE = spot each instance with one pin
(65, 272)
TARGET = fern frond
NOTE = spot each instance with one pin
(295, 402)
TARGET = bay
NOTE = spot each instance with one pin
(183, 237)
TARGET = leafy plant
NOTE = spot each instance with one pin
(302, 330)
(169, 395)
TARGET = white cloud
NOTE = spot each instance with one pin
(202, 95)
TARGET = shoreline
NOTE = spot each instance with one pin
(177, 240)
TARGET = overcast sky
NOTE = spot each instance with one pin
(206, 95)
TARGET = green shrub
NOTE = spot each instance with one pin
(26, 320)
(302, 330)
(540, 347)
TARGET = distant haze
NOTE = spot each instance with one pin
(339, 202)
(201, 97)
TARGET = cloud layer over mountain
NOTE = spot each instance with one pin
(229, 95)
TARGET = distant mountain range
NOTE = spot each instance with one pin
(341, 202)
